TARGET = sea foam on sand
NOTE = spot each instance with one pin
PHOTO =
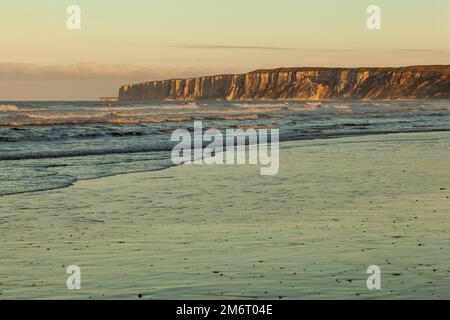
(205, 232)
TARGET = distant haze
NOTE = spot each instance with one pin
(139, 40)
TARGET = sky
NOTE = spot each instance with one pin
(139, 40)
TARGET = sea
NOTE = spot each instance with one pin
(50, 145)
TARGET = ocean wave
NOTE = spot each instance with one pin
(261, 105)
(129, 132)
(83, 153)
(64, 116)
(341, 107)
(200, 112)
(313, 104)
(382, 104)
(258, 126)
(9, 107)
(127, 117)
(137, 121)
(437, 108)
(11, 139)
(307, 106)
(303, 108)
(132, 108)
(316, 106)
(15, 108)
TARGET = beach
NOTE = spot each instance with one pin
(336, 207)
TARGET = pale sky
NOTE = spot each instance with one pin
(139, 40)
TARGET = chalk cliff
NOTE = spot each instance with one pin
(418, 82)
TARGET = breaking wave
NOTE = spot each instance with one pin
(9, 107)
(261, 105)
(135, 121)
(135, 108)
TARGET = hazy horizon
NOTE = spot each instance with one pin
(99, 82)
(140, 41)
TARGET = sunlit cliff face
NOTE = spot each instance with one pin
(428, 82)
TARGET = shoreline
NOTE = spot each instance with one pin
(194, 232)
(342, 136)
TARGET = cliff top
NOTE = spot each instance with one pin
(444, 69)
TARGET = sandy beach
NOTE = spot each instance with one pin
(336, 207)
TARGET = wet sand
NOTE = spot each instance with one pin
(336, 207)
